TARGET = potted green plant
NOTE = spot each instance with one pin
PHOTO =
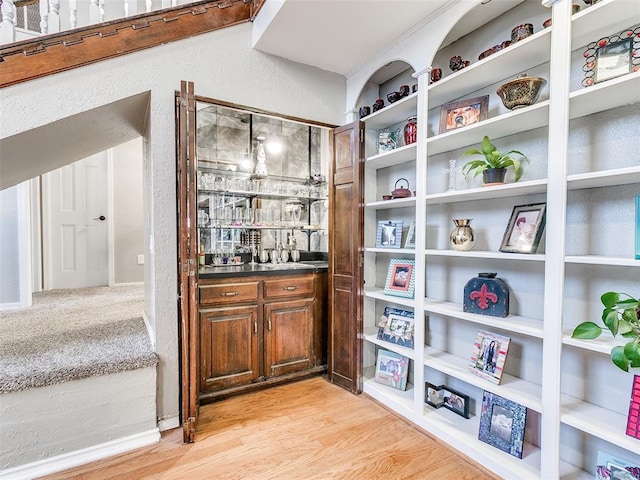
(621, 315)
(494, 164)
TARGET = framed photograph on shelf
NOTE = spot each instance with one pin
(392, 369)
(609, 467)
(488, 356)
(612, 56)
(400, 279)
(465, 112)
(410, 242)
(396, 326)
(633, 419)
(524, 229)
(433, 395)
(389, 234)
(502, 423)
(455, 401)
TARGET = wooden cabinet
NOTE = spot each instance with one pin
(256, 331)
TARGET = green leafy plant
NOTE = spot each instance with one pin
(621, 315)
(493, 159)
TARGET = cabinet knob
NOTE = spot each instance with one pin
(290, 288)
(229, 294)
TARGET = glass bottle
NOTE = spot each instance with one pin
(411, 130)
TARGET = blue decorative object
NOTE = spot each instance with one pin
(638, 227)
(486, 295)
(502, 423)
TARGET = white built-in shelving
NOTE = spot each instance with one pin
(570, 422)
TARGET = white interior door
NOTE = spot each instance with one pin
(75, 224)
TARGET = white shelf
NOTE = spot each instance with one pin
(378, 294)
(603, 344)
(462, 433)
(515, 121)
(392, 113)
(371, 336)
(512, 323)
(517, 58)
(604, 18)
(393, 157)
(533, 257)
(604, 178)
(399, 401)
(601, 260)
(512, 388)
(397, 251)
(529, 187)
(617, 92)
(599, 422)
(395, 203)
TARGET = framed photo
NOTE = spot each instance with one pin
(609, 467)
(633, 419)
(612, 56)
(396, 326)
(465, 112)
(524, 229)
(392, 369)
(400, 279)
(488, 356)
(502, 423)
(433, 395)
(637, 228)
(389, 234)
(456, 402)
(410, 242)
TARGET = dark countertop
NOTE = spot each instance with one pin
(307, 266)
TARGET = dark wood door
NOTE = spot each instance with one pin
(288, 336)
(346, 240)
(187, 258)
(229, 347)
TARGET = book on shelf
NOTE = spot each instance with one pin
(392, 369)
(488, 356)
(396, 326)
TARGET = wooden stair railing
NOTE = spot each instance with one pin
(30, 59)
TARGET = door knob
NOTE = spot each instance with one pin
(102, 218)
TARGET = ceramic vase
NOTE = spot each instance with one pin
(411, 130)
(462, 237)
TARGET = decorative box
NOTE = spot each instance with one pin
(486, 295)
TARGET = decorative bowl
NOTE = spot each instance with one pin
(521, 92)
(393, 97)
(546, 23)
(521, 32)
(486, 53)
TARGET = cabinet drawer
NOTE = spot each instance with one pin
(289, 287)
(229, 293)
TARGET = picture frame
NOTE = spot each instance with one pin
(400, 280)
(525, 228)
(489, 355)
(455, 401)
(392, 369)
(410, 241)
(389, 234)
(637, 253)
(463, 113)
(433, 395)
(502, 423)
(397, 326)
(609, 467)
(612, 56)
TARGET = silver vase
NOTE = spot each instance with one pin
(462, 237)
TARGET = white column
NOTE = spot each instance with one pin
(94, 12)
(54, 16)
(130, 7)
(44, 16)
(148, 6)
(8, 24)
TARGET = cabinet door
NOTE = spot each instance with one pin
(346, 241)
(288, 336)
(229, 347)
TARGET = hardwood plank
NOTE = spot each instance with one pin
(308, 429)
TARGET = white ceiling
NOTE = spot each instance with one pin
(338, 35)
(342, 35)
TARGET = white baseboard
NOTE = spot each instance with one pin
(168, 423)
(10, 306)
(80, 457)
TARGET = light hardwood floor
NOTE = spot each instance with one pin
(309, 429)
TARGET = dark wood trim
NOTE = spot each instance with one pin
(48, 54)
(259, 111)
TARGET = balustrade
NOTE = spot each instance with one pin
(61, 15)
